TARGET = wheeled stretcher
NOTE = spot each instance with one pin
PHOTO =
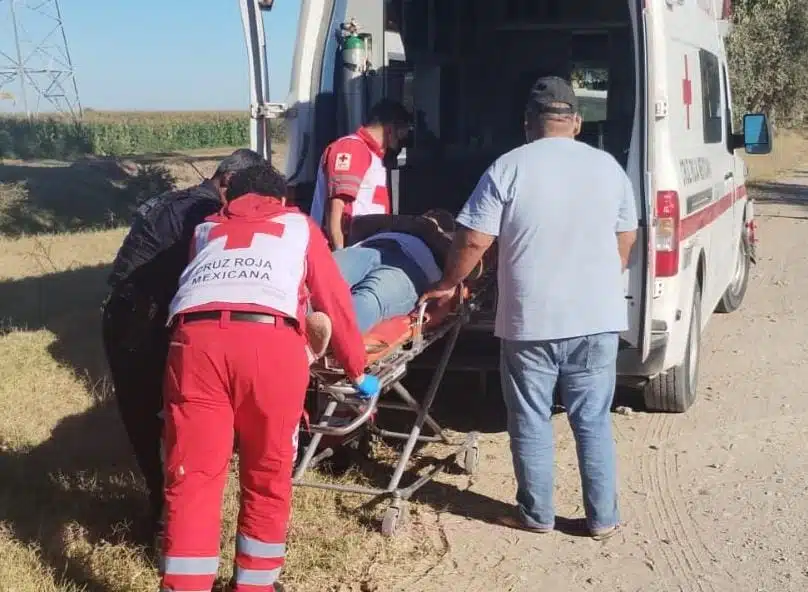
(390, 346)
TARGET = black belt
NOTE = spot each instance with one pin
(235, 315)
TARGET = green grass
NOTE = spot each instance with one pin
(109, 133)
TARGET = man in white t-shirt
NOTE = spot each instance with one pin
(392, 260)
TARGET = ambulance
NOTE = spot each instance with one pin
(654, 92)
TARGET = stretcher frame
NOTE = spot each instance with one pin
(390, 370)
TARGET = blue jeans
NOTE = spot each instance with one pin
(385, 282)
(585, 370)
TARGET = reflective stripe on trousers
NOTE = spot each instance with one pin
(257, 563)
(188, 574)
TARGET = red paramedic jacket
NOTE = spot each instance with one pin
(322, 281)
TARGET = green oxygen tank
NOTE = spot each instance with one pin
(354, 68)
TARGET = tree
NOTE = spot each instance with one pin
(768, 58)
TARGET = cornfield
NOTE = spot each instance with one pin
(110, 133)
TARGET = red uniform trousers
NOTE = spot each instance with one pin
(227, 377)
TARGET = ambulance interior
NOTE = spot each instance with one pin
(465, 68)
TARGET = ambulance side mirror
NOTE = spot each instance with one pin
(756, 137)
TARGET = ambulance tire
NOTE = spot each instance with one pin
(675, 390)
(733, 297)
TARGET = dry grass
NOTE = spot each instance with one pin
(790, 151)
(69, 495)
(68, 483)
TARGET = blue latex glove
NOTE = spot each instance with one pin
(368, 386)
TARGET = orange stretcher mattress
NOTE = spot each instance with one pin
(395, 332)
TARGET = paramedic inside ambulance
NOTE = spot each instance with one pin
(352, 179)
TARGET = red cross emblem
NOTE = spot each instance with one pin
(240, 234)
(342, 162)
(687, 91)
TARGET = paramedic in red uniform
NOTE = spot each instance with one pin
(352, 178)
(238, 370)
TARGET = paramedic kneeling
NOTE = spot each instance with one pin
(352, 180)
(565, 217)
(237, 368)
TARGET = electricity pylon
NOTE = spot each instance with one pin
(34, 58)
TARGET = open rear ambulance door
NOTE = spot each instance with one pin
(252, 19)
(639, 277)
(644, 251)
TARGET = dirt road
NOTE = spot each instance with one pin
(713, 500)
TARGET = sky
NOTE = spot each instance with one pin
(172, 54)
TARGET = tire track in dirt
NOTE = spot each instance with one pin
(692, 545)
(683, 555)
(673, 564)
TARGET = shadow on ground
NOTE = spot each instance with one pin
(80, 484)
(77, 488)
(469, 399)
(67, 304)
(86, 194)
(778, 192)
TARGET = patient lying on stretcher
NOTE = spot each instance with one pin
(389, 262)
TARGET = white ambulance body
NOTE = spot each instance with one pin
(654, 91)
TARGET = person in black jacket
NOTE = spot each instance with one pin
(143, 281)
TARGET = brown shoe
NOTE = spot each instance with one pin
(516, 523)
(601, 534)
(318, 330)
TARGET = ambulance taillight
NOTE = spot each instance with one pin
(667, 227)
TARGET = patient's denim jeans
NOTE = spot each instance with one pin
(384, 282)
(585, 370)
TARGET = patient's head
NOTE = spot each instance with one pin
(442, 219)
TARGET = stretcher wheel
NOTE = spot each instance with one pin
(471, 455)
(394, 516)
(471, 460)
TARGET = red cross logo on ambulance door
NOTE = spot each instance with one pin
(687, 91)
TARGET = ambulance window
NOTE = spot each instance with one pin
(711, 97)
(591, 84)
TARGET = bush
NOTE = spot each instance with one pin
(117, 134)
(768, 58)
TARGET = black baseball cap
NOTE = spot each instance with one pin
(549, 90)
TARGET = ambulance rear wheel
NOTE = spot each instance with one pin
(675, 390)
(733, 297)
